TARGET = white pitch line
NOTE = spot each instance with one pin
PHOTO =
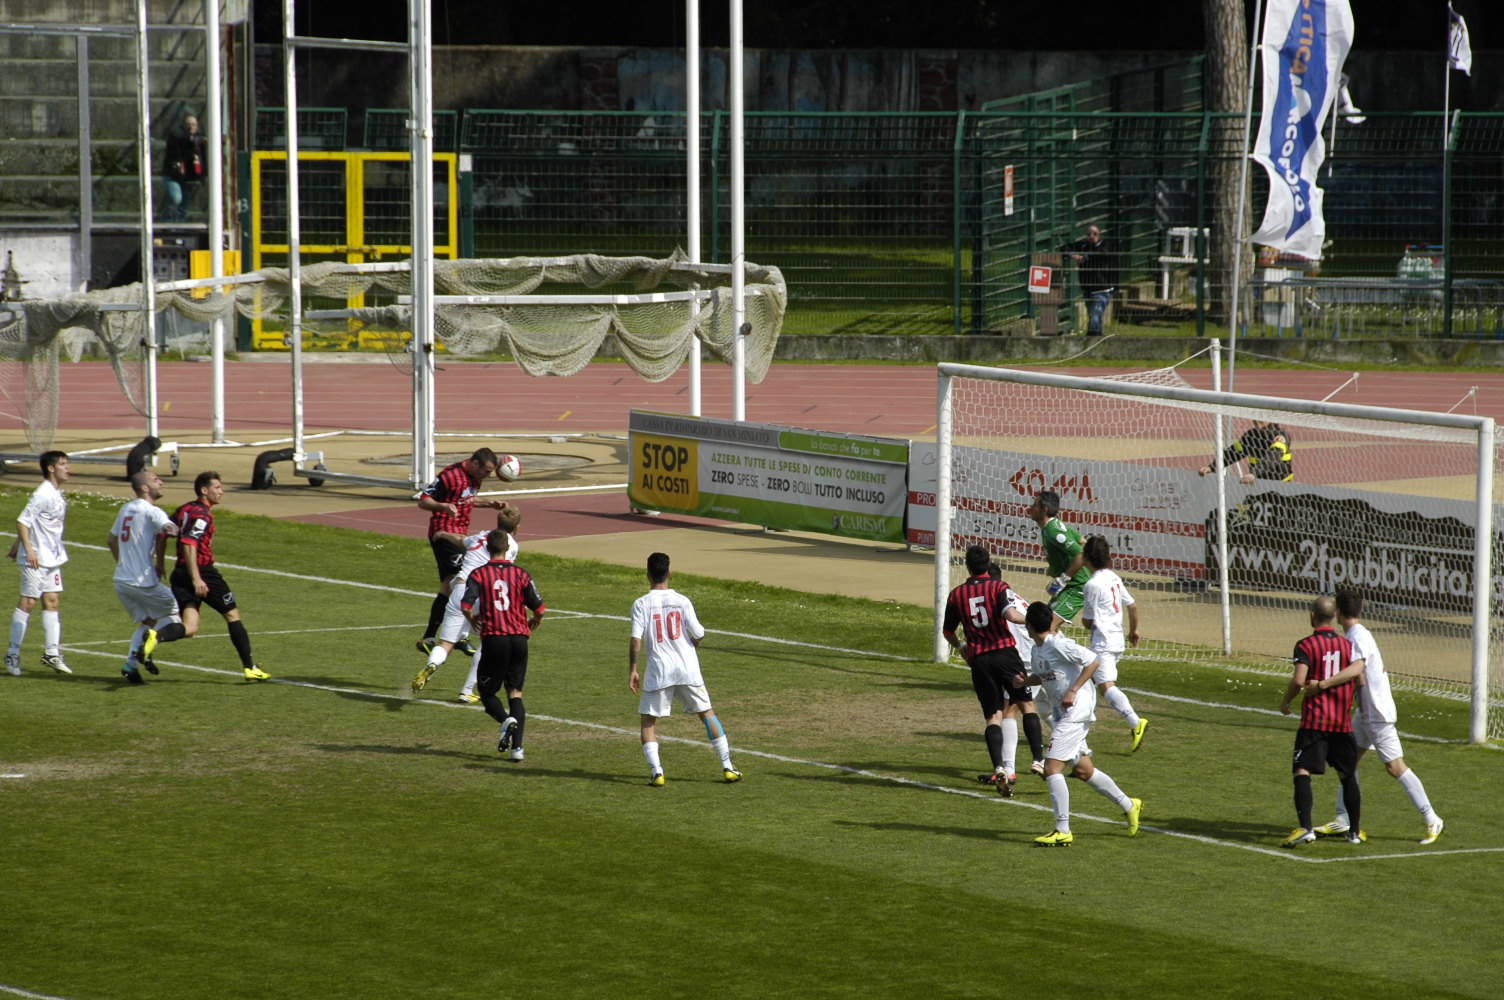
(17, 991)
(820, 764)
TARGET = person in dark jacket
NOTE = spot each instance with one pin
(1097, 272)
(183, 167)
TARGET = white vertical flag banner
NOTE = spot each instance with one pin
(1304, 44)
(1459, 46)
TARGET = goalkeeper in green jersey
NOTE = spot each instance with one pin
(1064, 559)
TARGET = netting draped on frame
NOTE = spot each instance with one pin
(653, 336)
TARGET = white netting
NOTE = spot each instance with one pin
(654, 337)
(1384, 507)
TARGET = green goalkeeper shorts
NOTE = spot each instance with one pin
(1067, 603)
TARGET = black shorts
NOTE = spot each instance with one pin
(1316, 748)
(997, 677)
(447, 555)
(503, 663)
(220, 597)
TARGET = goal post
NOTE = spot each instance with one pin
(1398, 505)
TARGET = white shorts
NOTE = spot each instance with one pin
(659, 703)
(1107, 666)
(1381, 737)
(1068, 741)
(454, 624)
(141, 603)
(42, 580)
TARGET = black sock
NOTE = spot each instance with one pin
(518, 712)
(1303, 800)
(994, 737)
(171, 632)
(1353, 799)
(435, 615)
(242, 640)
(1034, 733)
(492, 704)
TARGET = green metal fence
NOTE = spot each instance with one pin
(900, 223)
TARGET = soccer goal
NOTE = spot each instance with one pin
(1396, 504)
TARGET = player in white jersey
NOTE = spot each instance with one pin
(1374, 724)
(1106, 602)
(665, 625)
(138, 541)
(453, 628)
(39, 552)
(1065, 668)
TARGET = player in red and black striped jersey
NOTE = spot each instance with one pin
(449, 500)
(1327, 669)
(504, 607)
(195, 579)
(979, 606)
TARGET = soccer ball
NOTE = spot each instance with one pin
(509, 468)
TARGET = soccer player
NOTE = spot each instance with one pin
(664, 623)
(1065, 668)
(1106, 600)
(1063, 557)
(498, 598)
(979, 606)
(448, 500)
(453, 630)
(1375, 722)
(1325, 735)
(196, 580)
(1266, 447)
(1012, 714)
(39, 552)
(138, 541)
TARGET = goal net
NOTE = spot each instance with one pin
(552, 314)
(1397, 505)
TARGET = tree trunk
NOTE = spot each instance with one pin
(1226, 80)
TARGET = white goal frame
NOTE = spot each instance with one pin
(1482, 428)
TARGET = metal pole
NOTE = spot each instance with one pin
(1237, 250)
(420, 39)
(738, 218)
(85, 167)
(148, 237)
(1224, 575)
(294, 230)
(692, 174)
(214, 127)
(1482, 583)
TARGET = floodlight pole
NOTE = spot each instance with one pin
(148, 237)
(215, 166)
(1237, 246)
(692, 175)
(420, 47)
(294, 230)
(738, 220)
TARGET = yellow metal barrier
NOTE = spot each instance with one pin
(336, 224)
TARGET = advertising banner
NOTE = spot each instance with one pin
(780, 477)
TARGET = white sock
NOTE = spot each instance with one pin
(1340, 819)
(722, 746)
(52, 632)
(1060, 798)
(18, 620)
(137, 637)
(1109, 789)
(437, 656)
(471, 677)
(650, 752)
(1410, 782)
(1010, 744)
(1119, 701)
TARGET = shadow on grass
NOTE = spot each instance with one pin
(1262, 834)
(496, 764)
(418, 750)
(974, 833)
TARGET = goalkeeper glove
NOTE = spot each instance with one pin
(1057, 585)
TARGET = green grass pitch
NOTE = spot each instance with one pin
(329, 835)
